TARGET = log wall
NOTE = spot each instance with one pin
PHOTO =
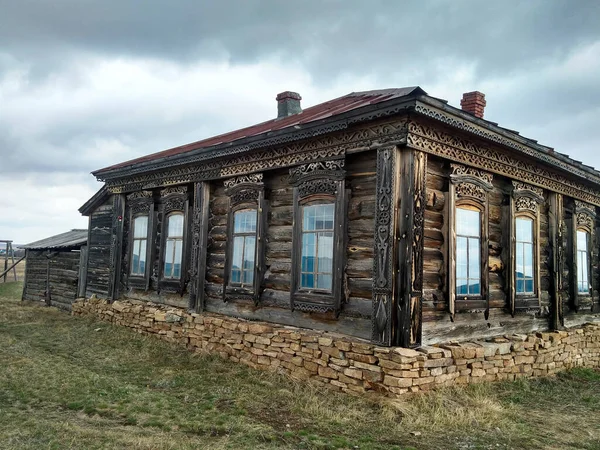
(98, 269)
(63, 276)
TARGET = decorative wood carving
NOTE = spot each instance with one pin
(557, 233)
(436, 141)
(284, 155)
(525, 201)
(468, 186)
(246, 191)
(325, 178)
(418, 226)
(383, 261)
(116, 240)
(199, 236)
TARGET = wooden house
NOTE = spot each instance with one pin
(387, 215)
(55, 269)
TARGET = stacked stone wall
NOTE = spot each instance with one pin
(349, 364)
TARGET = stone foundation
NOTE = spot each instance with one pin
(348, 364)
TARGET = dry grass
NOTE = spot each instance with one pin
(10, 276)
(68, 382)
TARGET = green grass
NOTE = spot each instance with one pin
(69, 382)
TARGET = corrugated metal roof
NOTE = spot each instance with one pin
(321, 111)
(71, 239)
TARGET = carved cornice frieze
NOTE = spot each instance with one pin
(243, 179)
(177, 190)
(334, 168)
(438, 142)
(585, 215)
(527, 197)
(140, 195)
(498, 138)
(470, 182)
(322, 148)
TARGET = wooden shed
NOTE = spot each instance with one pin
(55, 269)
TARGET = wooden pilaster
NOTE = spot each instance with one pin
(556, 220)
(199, 234)
(384, 261)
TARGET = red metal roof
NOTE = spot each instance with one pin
(318, 112)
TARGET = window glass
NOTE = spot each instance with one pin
(316, 266)
(173, 246)
(524, 258)
(243, 255)
(138, 251)
(468, 252)
(583, 284)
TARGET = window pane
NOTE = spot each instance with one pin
(524, 230)
(528, 259)
(474, 287)
(520, 269)
(461, 257)
(474, 259)
(178, 257)
(238, 247)
(236, 276)
(462, 287)
(245, 221)
(142, 257)
(468, 222)
(175, 225)
(140, 227)
(325, 252)
(581, 240)
(309, 214)
(249, 253)
(324, 281)
(307, 280)
(168, 268)
(308, 252)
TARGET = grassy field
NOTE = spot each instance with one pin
(10, 277)
(69, 382)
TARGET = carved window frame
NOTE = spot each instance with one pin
(246, 192)
(584, 219)
(469, 187)
(140, 204)
(525, 202)
(318, 182)
(173, 200)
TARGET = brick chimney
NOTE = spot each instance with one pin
(473, 103)
(288, 103)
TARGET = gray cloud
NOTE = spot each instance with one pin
(86, 84)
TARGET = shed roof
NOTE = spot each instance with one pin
(71, 239)
(321, 111)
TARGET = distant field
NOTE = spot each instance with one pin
(75, 383)
(10, 276)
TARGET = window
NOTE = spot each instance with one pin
(139, 244)
(317, 247)
(583, 262)
(244, 248)
(468, 246)
(468, 252)
(173, 246)
(318, 250)
(524, 256)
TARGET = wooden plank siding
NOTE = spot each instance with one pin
(98, 267)
(63, 276)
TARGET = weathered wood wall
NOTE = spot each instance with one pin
(63, 276)
(98, 269)
(274, 304)
(437, 321)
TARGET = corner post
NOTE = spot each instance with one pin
(116, 246)
(410, 231)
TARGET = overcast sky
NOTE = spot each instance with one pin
(86, 84)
